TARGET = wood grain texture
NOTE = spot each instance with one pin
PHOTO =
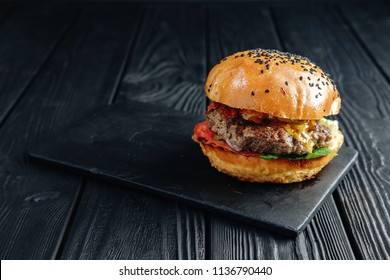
(235, 28)
(37, 202)
(365, 21)
(239, 28)
(362, 195)
(370, 23)
(166, 66)
(124, 224)
(28, 37)
(321, 240)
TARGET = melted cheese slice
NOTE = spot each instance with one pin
(254, 116)
(300, 132)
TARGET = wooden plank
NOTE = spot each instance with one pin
(370, 22)
(27, 40)
(123, 224)
(229, 33)
(365, 112)
(246, 27)
(321, 240)
(37, 202)
(166, 66)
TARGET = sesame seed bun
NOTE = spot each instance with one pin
(268, 81)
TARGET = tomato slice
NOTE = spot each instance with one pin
(205, 135)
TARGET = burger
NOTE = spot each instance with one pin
(266, 118)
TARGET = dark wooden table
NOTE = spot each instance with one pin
(61, 62)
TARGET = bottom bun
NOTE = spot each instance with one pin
(255, 169)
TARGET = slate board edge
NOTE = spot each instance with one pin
(288, 231)
(278, 229)
(355, 154)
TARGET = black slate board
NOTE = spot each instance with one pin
(148, 147)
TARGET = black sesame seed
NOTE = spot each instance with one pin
(266, 91)
(311, 84)
(259, 61)
(300, 78)
(286, 83)
(253, 93)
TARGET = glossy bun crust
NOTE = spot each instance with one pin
(255, 169)
(268, 81)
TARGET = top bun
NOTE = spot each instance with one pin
(268, 81)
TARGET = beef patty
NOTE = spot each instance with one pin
(264, 137)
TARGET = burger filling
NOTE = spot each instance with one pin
(252, 133)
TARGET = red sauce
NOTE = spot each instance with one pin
(213, 105)
(229, 113)
(226, 111)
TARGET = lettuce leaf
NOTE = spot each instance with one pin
(268, 156)
(314, 154)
